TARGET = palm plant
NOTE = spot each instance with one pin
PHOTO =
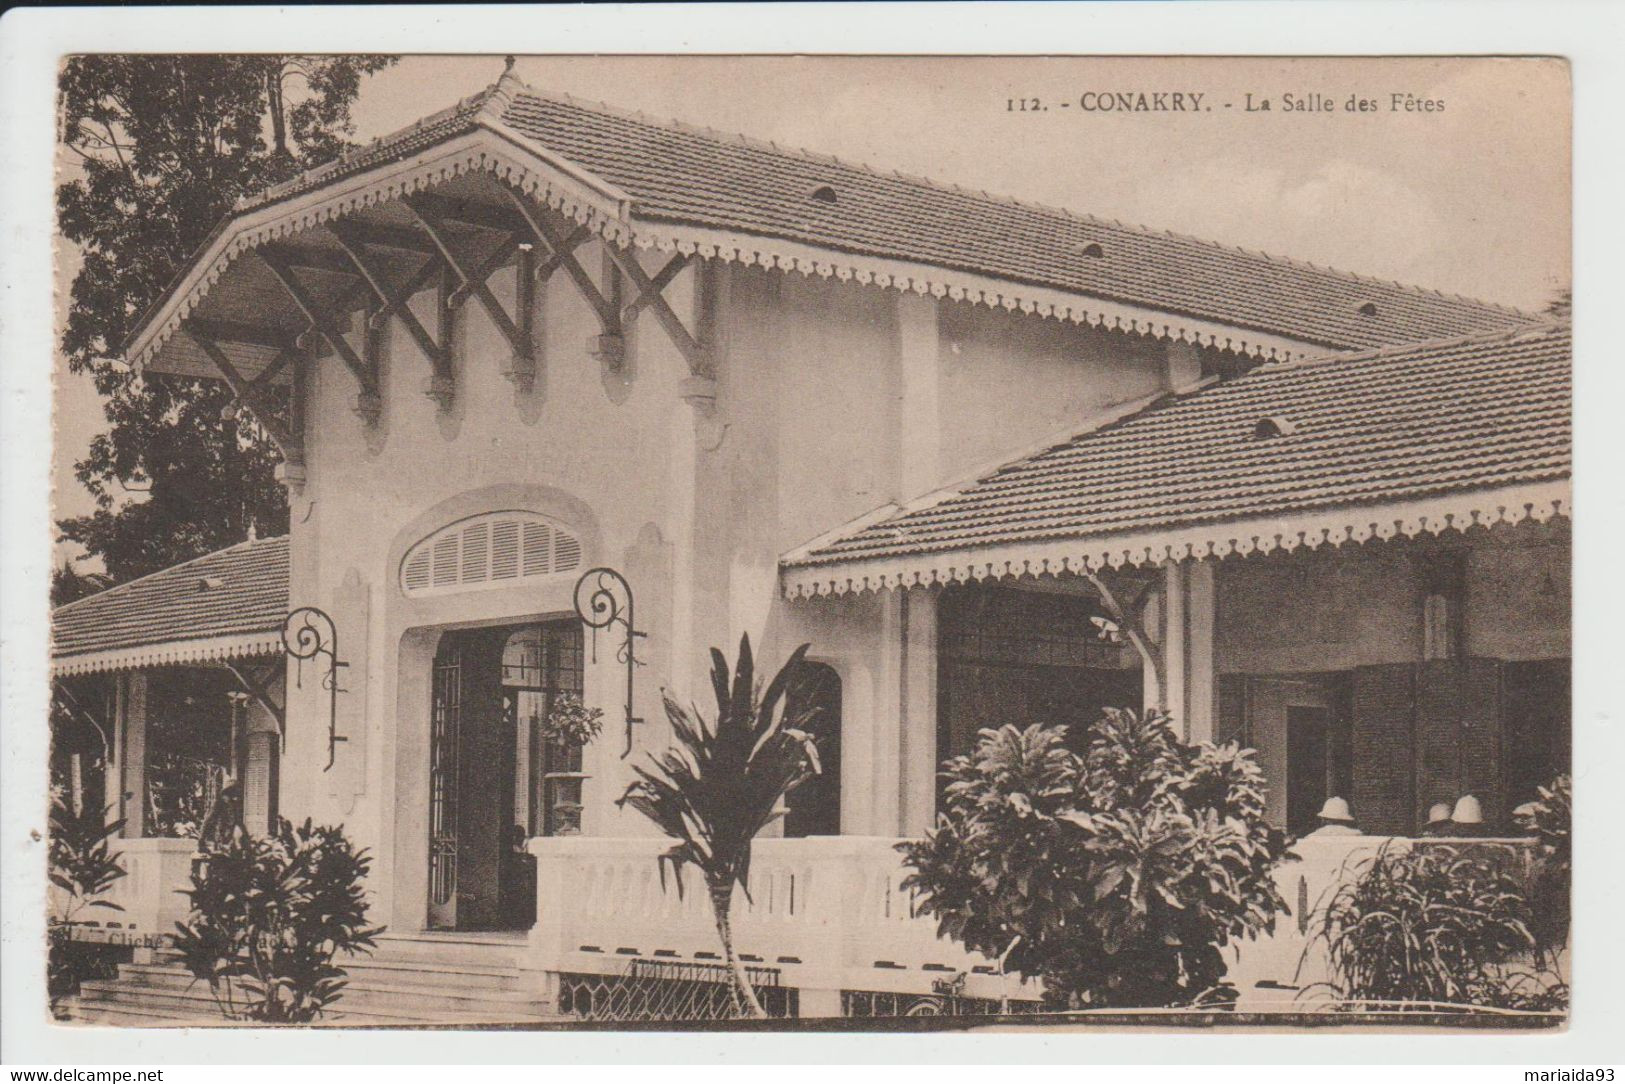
(724, 781)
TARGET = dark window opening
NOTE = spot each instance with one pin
(815, 806)
(1307, 759)
(1020, 657)
(1538, 729)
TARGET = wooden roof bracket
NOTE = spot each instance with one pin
(260, 690)
(251, 394)
(610, 344)
(368, 404)
(650, 296)
(392, 299)
(473, 283)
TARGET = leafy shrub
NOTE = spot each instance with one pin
(270, 914)
(1434, 924)
(1549, 820)
(82, 863)
(570, 722)
(82, 867)
(1118, 875)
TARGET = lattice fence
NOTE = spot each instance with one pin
(946, 999)
(669, 990)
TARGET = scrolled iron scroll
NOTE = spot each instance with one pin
(309, 635)
(603, 600)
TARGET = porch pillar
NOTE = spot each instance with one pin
(262, 756)
(903, 798)
(1172, 644)
(918, 752)
(1153, 692)
(885, 805)
(131, 714)
(1201, 687)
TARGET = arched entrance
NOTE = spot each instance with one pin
(495, 778)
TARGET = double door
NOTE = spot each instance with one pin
(496, 778)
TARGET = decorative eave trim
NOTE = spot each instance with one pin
(170, 653)
(495, 148)
(906, 276)
(479, 151)
(1537, 502)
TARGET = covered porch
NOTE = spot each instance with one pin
(1422, 681)
(167, 716)
(1356, 566)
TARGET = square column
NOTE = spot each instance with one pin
(918, 751)
(886, 743)
(1172, 645)
(131, 769)
(1188, 608)
(1201, 686)
(904, 737)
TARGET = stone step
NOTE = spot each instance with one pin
(390, 969)
(123, 1014)
(370, 970)
(488, 950)
(363, 989)
(175, 996)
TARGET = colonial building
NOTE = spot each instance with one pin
(996, 462)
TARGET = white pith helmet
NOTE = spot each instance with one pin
(1438, 812)
(1467, 811)
(1336, 809)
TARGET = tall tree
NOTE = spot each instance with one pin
(163, 145)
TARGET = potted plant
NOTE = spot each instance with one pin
(571, 723)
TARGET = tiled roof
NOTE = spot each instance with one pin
(236, 591)
(674, 173)
(1382, 426)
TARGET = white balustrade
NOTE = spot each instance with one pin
(149, 894)
(828, 912)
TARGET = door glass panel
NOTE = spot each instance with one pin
(444, 727)
(540, 664)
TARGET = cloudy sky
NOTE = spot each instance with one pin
(1469, 197)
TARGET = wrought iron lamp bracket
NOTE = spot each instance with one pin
(309, 634)
(603, 600)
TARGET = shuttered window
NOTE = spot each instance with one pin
(492, 550)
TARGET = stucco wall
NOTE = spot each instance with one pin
(1341, 609)
(1009, 379)
(822, 387)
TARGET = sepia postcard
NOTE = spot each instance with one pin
(810, 542)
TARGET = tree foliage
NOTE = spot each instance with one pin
(724, 781)
(270, 914)
(159, 147)
(68, 584)
(1117, 875)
